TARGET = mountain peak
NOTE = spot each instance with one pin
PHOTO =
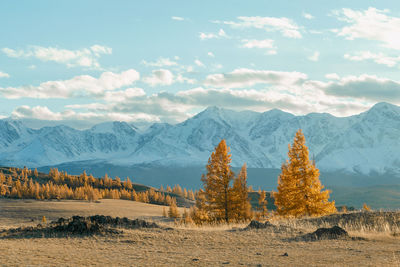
(384, 108)
(212, 108)
(384, 105)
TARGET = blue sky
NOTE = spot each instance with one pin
(94, 61)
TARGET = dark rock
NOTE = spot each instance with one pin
(259, 225)
(78, 225)
(285, 254)
(334, 232)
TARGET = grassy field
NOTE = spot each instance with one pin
(182, 246)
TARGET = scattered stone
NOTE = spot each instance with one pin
(195, 259)
(285, 254)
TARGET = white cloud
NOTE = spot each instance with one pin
(87, 57)
(221, 34)
(199, 63)
(189, 69)
(216, 66)
(84, 85)
(283, 25)
(159, 77)
(289, 91)
(44, 113)
(370, 24)
(177, 107)
(332, 76)
(4, 75)
(363, 87)
(240, 78)
(314, 57)
(378, 58)
(38, 112)
(210, 54)
(163, 77)
(177, 18)
(181, 79)
(161, 62)
(121, 95)
(307, 15)
(98, 49)
(267, 44)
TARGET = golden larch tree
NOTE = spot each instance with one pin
(241, 207)
(216, 183)
(299, 188)
(173, 210)
(262, 203)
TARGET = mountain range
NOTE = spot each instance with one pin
(365, 143)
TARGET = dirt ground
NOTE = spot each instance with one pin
(208, 246)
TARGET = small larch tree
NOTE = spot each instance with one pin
(299, 188)
(173, 210)
(262, 204)
(241, 206)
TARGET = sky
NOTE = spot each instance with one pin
(86, 62)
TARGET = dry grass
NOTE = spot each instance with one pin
(183, 246)
(365, 224)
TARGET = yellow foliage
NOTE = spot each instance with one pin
(219, 201)
(164, 212)
(262, 204)
(173, 210)
(216, 184)
(241, 207)
(299, 188)
(366, 207)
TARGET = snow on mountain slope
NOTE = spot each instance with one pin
(54, 145)
(368, 142)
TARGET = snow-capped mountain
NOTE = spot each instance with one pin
(364, 143)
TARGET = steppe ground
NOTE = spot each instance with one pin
(182, 246)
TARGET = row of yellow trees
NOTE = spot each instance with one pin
(224, 196)
(18, 183)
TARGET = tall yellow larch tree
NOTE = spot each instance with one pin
(216, 184)
(299, 188)
(239, 198)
